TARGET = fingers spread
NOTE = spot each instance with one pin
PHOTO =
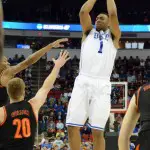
(63, 40)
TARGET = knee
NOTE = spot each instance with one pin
(72, 130)
(97, 134)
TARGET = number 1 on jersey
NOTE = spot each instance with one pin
(101, 47)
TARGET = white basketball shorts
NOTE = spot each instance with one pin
(90, 100)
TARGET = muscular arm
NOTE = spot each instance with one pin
(41, 95)
(85, 18)
(30, 60)
(128, 125)
(1, 31)
(35, 56)
(114, 23)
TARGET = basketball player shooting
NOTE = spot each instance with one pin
(91, 93)
(139, 107)
(8, 72)
(1, 31)
(18, 120)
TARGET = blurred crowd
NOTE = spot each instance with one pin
(52, 116)
(52, 13)
(26, 75)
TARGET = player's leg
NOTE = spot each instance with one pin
(74, 137)
(99, 112)
(98, 139)
(77, 113)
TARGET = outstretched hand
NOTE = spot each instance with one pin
(57, 43)
(62, 59)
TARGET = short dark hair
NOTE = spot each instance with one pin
(104, 13)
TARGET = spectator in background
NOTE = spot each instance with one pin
(66, 142)
(130, 62)
(60, 125)
(147, 63)
(42, 139)
(22, 58)
(60, 134)
(48, 66)
(115, 75)
(118, 122)
(51, 128)
(58, 108)
(85, 130)
(142, 63)
(129, 77)
(52, 116)
(59, 116)
(137, 61)
(45, 121)
(122, 76)
(64, 98)
(57, 86)
(51, 125)
(10, 61)
(16, 59)
(55, 147)
(40, 121)
(65, 147)
(147, 45)
(46, 145)
(52, 102)
(44, 57)
(134, 77)
(58, 142)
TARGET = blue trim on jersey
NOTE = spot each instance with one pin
(73, 124)
(94, 127)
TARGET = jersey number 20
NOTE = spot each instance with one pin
(23, 128)
(101, 47)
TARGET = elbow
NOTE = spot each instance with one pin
(82, 12)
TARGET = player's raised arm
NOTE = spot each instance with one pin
(114, 23)
(128, 125)
(41, 95)
(1, 31)
(85, 18)
(36, 56)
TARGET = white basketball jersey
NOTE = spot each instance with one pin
(97, 54)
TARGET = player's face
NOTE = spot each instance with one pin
(102, 22)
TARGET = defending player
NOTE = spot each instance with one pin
(139, 107)
(91, 94)
(8, 72)
(18, 120)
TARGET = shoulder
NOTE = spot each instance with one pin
(85, 34)
(6, 75)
